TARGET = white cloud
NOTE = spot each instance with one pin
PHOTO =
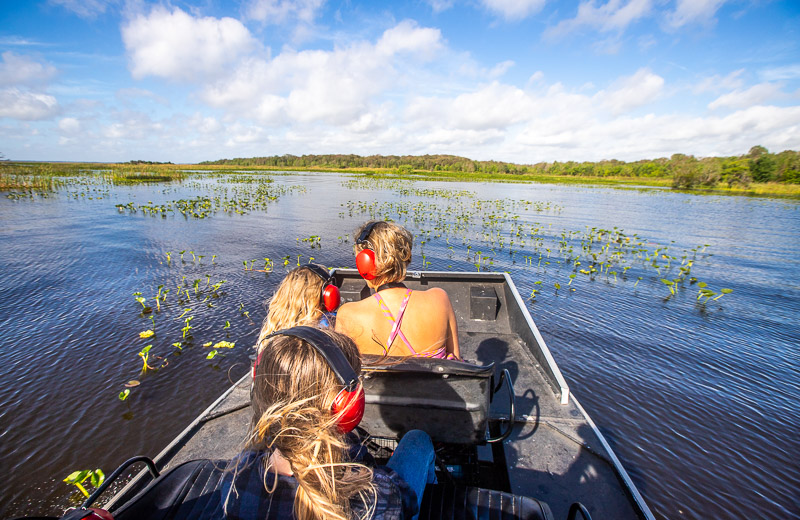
(280, 11)
(21, 70)
(632, 92)
(614, 15)
(500, 69)
(408, 36)
(513, 9)
(755, 95)
(85, 8)
(131, 94)
(334, 86)
(719, 83)
(779, 73)
(26, 105)
(694, 11)
(494, 106)
(133, 126)
(178, 46)
(440, 5)
(69, 125)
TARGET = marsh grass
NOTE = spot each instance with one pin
(42, 176)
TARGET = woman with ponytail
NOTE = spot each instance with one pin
(296, 463)
(396, 321)
(306, 296)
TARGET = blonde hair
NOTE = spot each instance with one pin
(297, 301)
(293, 391)
(392, 246)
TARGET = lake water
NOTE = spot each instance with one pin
(701, 402)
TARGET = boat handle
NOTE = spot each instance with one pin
(576, 508)
(506, 377)
(117, 472)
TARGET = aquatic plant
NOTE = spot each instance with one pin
(146, 334)
(138, 297)
(186, 327)
(145, 354)
(708, 294)
(124, 394)
(77, 478)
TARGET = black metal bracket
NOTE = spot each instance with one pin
(117, 472)
(505, 377)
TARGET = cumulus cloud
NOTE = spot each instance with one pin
(493, 106)
(69, 125)
(26, 105)
(614, 15)
(693, 11)
(513, 9)
(175, 45)
(280, 11)
(632, 92)
(755, 95)
(409, 37)
(22, 70)
(335, 86)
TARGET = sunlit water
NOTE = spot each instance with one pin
(700, 402)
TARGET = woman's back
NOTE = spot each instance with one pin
(428, 323)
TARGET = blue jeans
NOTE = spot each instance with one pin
(413, 460)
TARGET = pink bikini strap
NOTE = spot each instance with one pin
(396, 322)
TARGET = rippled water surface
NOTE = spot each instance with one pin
(700, 402)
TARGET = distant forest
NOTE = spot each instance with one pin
(686, 171)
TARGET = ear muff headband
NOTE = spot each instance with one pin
(348, 405)
(329, 296)
(365, 259)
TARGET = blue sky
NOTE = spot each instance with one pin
(514, 80)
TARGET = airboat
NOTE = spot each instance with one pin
(512, 441)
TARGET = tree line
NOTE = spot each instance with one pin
(686, 171)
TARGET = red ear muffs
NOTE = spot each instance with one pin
(331, 297)
(365, 262)
(348, 405)
(349, 408)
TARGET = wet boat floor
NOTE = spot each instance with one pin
(552, 453)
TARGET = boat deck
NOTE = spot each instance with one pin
(553, 454)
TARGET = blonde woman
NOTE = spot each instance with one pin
(396, 321)
(306, 296)
(295, 465)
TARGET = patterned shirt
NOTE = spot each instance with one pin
(245, 489)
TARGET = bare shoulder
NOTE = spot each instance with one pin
(344, 315)
(349, 314)
(437, 294)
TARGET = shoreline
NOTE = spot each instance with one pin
(61, 169)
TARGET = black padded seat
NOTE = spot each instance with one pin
(447, 399)
(189, 491)
(448, 502)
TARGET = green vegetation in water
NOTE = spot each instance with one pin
(704, 292)
(77, 478)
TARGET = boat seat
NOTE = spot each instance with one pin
(449, 502)
(447, 399)
(190, 491)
